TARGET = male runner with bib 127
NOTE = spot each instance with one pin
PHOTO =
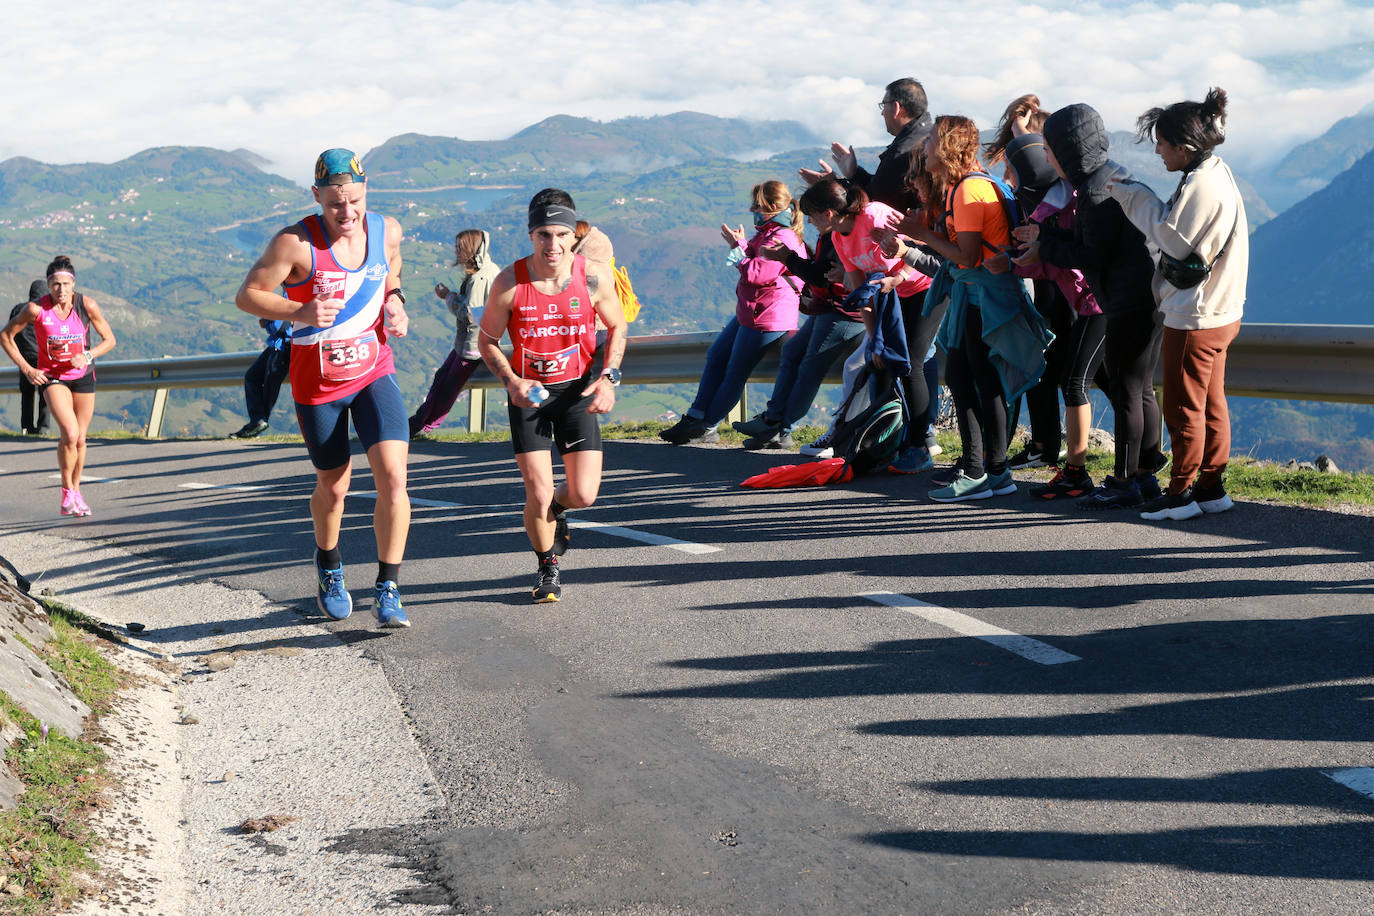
(548, 302)
(339, 272)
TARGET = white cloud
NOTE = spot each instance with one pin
(287, 80)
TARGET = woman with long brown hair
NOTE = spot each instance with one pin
(992, 336)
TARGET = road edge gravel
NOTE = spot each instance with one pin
(224, 723)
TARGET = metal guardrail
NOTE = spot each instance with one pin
(1323, 362)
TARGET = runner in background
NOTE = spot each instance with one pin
(63, 321)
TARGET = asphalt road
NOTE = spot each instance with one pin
(830, 700)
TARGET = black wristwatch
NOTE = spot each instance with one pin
(613, 376)
(397, 293)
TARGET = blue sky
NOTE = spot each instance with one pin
(102, 80)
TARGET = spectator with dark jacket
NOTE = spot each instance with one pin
(906, 116)
(29, 394)
(1114, 259)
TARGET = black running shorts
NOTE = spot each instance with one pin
(561, 421)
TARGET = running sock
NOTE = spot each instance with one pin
(388, 572)
(328, 559)
(556, 507)
(546, 556)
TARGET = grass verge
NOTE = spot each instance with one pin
(47, 839)
(1246, 478)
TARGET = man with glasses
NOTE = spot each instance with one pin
(907, 118)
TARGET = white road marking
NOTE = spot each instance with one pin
(644, 537)
(223, 486)
(1031, 649)
(85, 479)
(414, 500)
(630, 534)
(1356, 779)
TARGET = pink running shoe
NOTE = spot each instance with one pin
(79, 504)
(68, 504)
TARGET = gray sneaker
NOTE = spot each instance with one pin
(774, 439)
(759, 427)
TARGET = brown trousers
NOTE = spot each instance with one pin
(1195, 403)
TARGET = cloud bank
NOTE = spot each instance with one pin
(287, 80)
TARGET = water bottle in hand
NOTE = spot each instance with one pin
(538, 395)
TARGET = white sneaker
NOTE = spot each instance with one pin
(819, 449)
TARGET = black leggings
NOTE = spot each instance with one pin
(1132, 352)
(1042, 401)
(919, 332)
(978, 402)
(1083, 354)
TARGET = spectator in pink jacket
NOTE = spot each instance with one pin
(766, 308)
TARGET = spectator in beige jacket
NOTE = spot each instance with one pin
(1204, 253)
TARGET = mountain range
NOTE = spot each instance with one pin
(164, 238)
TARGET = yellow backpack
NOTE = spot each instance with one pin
(625, 292)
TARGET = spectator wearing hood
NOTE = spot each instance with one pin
(472, 250)
(1115, 260)
(1203, 239)
(33, 408)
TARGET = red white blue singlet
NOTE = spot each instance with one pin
(554, 335)
(334, 362)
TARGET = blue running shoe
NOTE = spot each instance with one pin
(1113, 494)
(387, 604)
(1149, 487)
(911, 460)
(332, 598)
(1001, 484)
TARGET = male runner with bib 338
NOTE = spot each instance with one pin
(340, 271)
(548, 302)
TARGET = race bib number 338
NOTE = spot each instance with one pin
(345, 360)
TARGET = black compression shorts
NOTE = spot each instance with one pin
(561, 421)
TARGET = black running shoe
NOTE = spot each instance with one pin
(561, 536)
(1212, 498)
(1032, 456)
(548, 588)
(1063, 486)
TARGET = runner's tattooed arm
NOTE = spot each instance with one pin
(495, 322)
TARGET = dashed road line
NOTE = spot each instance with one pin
(85, 479)
(1356, 779)
(1024, 646)
(644, 537)
(232, 488)
(629, 534)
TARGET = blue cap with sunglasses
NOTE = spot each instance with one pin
(338, 166)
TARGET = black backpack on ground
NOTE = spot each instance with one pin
(869, 442)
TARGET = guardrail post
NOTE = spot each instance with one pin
(740, 412)
(159, 413)
(477, 410)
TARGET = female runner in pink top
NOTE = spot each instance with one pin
(63, 322)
